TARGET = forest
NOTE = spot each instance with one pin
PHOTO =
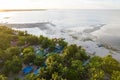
(25, 56)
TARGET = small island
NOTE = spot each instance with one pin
(24, 56)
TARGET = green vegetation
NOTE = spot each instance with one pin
(2, 77)
(14, 65)
(69, 62)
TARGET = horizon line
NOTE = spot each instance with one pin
(7, 10)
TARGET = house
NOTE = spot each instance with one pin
(39, 52)
(27, 69)
(58, 49)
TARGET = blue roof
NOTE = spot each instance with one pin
(27, 69)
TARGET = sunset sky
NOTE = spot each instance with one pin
(59, 4)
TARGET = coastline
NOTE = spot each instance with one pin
(95, 49)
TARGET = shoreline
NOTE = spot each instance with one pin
(86, 44)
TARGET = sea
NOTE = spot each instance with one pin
(99, 25)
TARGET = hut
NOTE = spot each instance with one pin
(27, 69)
(58, 49)
(39, 52)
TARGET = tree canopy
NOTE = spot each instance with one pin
(18, 48)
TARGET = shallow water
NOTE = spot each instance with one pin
(71, 22)
(109, 34)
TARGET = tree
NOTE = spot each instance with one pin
(62, 43)
(73, 52)
(28, 58)
(16, 64)
(17, 78)
(13, 65)
(2, 57)
(32, 40)
(44, 73)
(30, 77)
(96, 74)
(45, 43)
(115, 75)
(81, 55)
(54, 58)
(51, 45)
(41, 38)
(2, 77)
(54, 63)
(75, 71)
(21, 40)
(13, 51)
(4, 39)
(28, 55)
(28, 49)
(21, 33)
(96, 62)
(109, 64)
(10, 52)
(70, 51)
(39, 60)
(95, 70)
(55, 76)
(33, 77)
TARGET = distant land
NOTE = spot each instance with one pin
(8, 10)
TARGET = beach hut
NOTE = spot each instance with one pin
(39, 52)
(58, 49)
(27, 69)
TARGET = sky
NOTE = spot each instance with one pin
(59, 4)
